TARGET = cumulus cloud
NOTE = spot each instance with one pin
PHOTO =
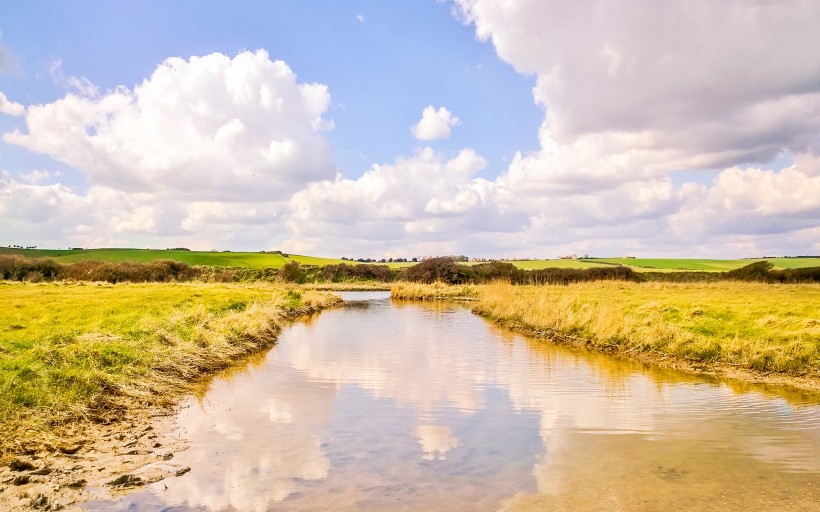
(208, 127)
(203, 153)
(434, 124)
(597, 72)
(417, 201)
(234, 150)
(10, 107)
(676, 78)
(633, 95)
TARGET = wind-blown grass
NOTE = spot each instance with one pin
(69, 352)
(764, 328)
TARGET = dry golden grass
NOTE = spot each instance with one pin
(765, 328)
(435, 291)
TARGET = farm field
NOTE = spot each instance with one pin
(707, 265)
(539, 264)
(273, 260)
(216, 259)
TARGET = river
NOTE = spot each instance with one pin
(385, 405)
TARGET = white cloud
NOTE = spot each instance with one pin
(360, 17)
(80, 84)
(231, 152)
(38, 177)
(203, 154)
(632, 95)
(210, 127)
(678, 78)
(10, 107)
(434, 124)
(405, 206)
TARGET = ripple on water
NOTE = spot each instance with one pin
(426, 406)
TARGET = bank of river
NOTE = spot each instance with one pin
(424, 406)
(91, 373)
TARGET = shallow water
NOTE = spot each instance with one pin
(411, 406)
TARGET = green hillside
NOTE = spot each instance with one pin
(216, 259)
(275, 260)
(664, 264)
(539, 264)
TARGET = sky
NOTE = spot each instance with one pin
(515, 129)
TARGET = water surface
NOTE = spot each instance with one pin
(410, 406)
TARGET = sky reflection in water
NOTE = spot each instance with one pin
(407, 406)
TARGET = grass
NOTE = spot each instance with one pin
(794, 262)
(704, 264)
(215, 259)
(271, 260)
(435, 291)
(764, 328)
(69, 352)
(540, 264)
(313, 260)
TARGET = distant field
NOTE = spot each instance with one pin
(216, 259)
(313, 260)
(539, 264)
(705, 265)
(271, 260)
(794, 262)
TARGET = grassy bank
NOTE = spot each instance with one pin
(435, 291)
(91, 351)
(763, 328)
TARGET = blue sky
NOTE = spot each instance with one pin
(383, 62)
(554, 128)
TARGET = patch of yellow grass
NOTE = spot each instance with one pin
(435, 291)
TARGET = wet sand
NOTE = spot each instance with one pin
(94, 461)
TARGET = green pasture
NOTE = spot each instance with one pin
(541, 264)
(666, 264)
(272, 260)
(214, 259)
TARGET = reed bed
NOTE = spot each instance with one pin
(759, 327)
(434, 291)
(74, 352)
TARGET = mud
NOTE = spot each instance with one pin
(95, 461)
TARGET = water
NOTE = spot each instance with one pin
(409, 406)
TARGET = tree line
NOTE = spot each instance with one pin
(443, 269)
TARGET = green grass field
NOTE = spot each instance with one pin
(539, 264)
(214, 259)
(667, 264)
(271, 260)
(313, 260)
(69, 351)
